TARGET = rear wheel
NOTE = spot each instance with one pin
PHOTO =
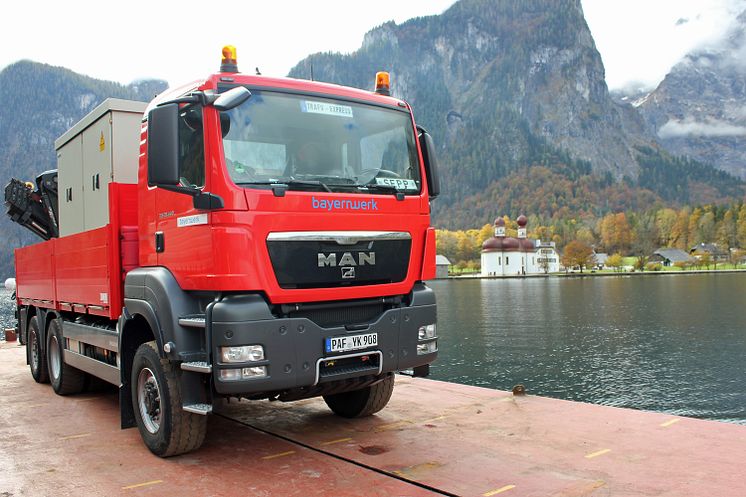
(165, 427)
(36, 359)
(363, 402)
(64, 378)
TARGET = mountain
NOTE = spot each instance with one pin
(503, 85)
(699, 109)
(40, 103)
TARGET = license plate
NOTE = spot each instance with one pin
(351, 342)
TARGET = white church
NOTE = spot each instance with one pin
(507, 256)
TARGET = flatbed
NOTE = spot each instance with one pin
(434, 438)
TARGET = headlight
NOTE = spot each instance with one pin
(243, 373)
(244, 353)
(427, 348)
(426, 332)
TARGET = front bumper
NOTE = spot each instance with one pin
(294, 351)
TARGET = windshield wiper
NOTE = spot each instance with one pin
(279, 187)
(307, 182)
(287, 184)
(384, 189)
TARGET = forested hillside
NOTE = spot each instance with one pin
(40, 102)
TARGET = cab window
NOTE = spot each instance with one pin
(191, 147)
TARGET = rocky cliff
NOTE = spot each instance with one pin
(502, 84)
(699, 109)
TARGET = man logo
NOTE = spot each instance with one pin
(347, 259)
(348, 273)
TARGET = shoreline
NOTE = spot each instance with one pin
(591, 274)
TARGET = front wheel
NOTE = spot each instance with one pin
(36, 358)
(363, 402)
(165, 427)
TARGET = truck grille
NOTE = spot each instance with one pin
(333, 259)
(340, 316)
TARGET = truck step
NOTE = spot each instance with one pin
(203, 409)
(197, 366)
(193, 321)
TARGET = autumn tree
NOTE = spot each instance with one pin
(578, 254)
(665, 219)
(726, 231)
(693, 227)
(487, 231)
(585, 235)
(616, 233)
(680, 230)
(741, 227)
(737, 257)
(615, 262)
(705, 260)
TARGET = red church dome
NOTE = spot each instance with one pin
(496, 244)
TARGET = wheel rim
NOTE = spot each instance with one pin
(149, 400)
(55, 363)
(35, 352)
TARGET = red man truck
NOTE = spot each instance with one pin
(241, 236)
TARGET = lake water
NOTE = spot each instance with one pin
(674, 344)
(6, 310)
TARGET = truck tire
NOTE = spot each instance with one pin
(36, 358)
(165, 427)
(363, 402)
(64, 378)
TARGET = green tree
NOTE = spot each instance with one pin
(693, 227)
(706, 227)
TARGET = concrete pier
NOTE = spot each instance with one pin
(434, 438)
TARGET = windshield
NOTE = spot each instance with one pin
(320, 144)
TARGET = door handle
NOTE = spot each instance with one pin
(160, 242)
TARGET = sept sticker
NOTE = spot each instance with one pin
(398, 183)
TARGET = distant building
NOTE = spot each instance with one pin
(600, 259)
(670, 256)
(503, 255)
(712, 249)
(441, 266)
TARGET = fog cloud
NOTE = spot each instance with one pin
(640, 40)
(710, 128)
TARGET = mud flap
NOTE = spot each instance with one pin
(126, 409)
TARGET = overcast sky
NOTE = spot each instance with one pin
(639, 40)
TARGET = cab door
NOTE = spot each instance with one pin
(182, 236)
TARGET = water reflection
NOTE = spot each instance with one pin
(666, 343)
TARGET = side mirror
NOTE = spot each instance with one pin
(431, 162)
(163, 145)
(232, 98)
